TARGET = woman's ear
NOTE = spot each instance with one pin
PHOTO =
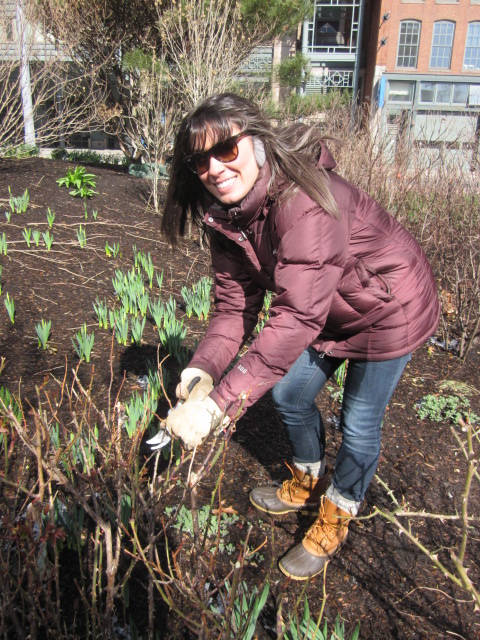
(259, 151)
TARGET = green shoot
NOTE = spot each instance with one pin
(83, 343)
(36, 237)
(19, 204)
(82, 237)
(50, 217)
(8, 215)
(10, 307)
(197, 299)
(137, 327)
(157, 309)
(48, 239)
(112, 250)
(43, 332)
(3, 244)
(27, 235)
(101, 311)
(159, 278)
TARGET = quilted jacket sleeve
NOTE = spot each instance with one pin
(310, 261)
(238, 301)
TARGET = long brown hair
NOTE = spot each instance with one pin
(290, 151)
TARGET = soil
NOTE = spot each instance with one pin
(379, 579)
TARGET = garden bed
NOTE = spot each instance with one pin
(380, 578)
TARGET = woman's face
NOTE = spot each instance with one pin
(229, 182)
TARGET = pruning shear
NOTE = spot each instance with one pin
(162, 438)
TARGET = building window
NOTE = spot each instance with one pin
(457, 94)
(472, 47)
(442, 44)
(400, 91)
(408, 44)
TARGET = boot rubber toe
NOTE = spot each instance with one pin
(299, 564)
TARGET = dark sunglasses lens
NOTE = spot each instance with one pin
(226, 151)
(201, 162)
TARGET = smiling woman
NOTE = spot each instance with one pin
(228, 169)
(350, 283)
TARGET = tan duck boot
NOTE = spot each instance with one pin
(300, 492)
(321, 542)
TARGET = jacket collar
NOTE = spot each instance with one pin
(250, 208)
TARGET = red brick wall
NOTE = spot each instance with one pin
(427, 12)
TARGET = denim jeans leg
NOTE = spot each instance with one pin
(294, 397)
(368, 389)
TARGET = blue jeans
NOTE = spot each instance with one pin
(368, 389)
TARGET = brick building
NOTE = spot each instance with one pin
(422, 69)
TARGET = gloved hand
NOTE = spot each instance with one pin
(193, 421)
(200, 390)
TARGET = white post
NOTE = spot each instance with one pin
(28, 123)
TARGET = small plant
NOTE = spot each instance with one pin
(112, 251)
(140, 412)
(19, 204)
(306, 627)
(149, 269)
(156, 309)
(27, 235)
(43, 332)
(3, 244)
(173, 332)
(83, 343)
(50, 217)
(36, 237)
(159, 278)
(210, 525)
(94, 214)
(440, 408)
(48, 239)
(101, 311)
(137, 328)
(119, 323)
(10, 307)
(82, 237)
(8, 402)
(83, 183)
(197, 299)
(8, 215)
(245, 605)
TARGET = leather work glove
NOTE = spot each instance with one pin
(200, 390)
(194, 420)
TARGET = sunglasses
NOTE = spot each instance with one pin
(225, 151)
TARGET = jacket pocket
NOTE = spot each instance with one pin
(375, 282)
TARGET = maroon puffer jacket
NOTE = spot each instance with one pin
(358, 287)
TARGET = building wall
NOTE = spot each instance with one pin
(428, 12)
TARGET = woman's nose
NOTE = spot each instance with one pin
(215, 167)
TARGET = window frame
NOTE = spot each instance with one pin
(472, 25)
(403, 46)
(435, 47)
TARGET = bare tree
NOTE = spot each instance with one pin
(206, 44)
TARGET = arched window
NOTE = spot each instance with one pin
(472, 47)
(442, 44)
(408, 43)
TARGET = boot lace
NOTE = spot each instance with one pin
(291, 486)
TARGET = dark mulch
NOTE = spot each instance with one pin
(379, 578)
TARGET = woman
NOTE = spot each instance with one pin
(350, 282)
